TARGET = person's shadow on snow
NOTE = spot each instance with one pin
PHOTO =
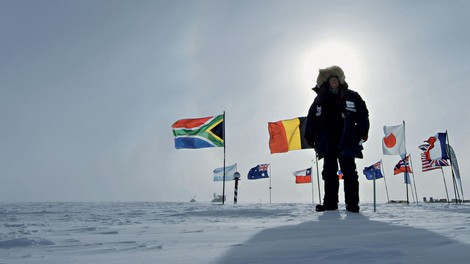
(340, 237)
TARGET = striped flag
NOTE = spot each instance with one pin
(287, 135)
(229, 173)
(195, 133)
(428, 165)
(303, 176)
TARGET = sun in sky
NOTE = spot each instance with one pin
(332, 52)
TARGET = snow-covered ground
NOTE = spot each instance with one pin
(199, 232)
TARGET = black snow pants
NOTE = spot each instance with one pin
(331, 180)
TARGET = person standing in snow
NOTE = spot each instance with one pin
(337, 125)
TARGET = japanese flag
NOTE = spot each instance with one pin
(393, 142)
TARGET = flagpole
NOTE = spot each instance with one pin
(270, 188)
(445, 185)
(383, 173)
(318, 178)
(414, 182)
(223, 185)
(312, 187)
(406, 167)
(375, 201)
(456, 191)
(451, 163)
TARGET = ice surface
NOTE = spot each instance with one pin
(160, 232)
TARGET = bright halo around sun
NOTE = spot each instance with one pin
(330, 53)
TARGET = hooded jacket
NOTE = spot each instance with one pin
(336, 123)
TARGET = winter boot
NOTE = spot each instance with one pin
(352, 208)
(322, 208)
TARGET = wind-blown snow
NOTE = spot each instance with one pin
(244, 233)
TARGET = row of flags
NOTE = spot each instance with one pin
(301, 176)
(205, 132)
(260, 172)
(434, 152)
(287, 135)
(393, 143)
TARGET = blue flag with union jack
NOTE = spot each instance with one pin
(258, 172)
(373, 171)
(428, 165)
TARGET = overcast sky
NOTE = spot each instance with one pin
(89, 90)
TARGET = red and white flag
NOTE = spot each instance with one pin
(402, 166)
(303, 176)
(393, 142)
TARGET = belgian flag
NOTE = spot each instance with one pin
(287, 135)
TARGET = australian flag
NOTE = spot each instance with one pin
(258, 172)
(373, 171)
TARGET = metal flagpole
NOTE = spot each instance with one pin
(404, 162)
(318, 179)
(456, 190)
(414, 182)
(451, 163)
(270, 176)
(312, 186)
(445, 185)
(383, 173)
(375, 202)
(223, 185)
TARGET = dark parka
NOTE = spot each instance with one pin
(336, 123)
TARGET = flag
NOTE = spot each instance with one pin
(197, 133)
(340, 174)
(393, 142)
(373, 171)
(287, 135)
(437, 147)
(455, 164)
(428, 165)
(303, 176)
(229, 173)
(258, 172)
(407, 178)
(402, 166)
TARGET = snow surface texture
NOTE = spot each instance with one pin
(244, 233)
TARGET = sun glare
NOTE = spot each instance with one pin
(332, 53)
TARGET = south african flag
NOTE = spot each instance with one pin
(194, 133)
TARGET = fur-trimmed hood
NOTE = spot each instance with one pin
(325, 74)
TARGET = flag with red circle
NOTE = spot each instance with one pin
(393, 142)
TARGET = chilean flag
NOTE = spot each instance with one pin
(437, 149)
(303, 176)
